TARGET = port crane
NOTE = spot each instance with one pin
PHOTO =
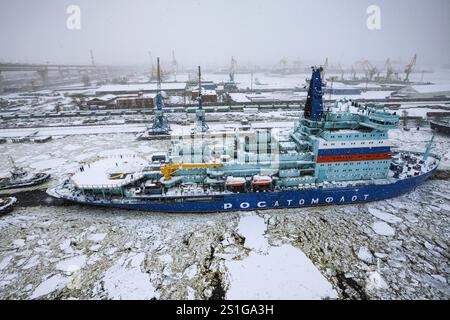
(389, 69)
(283, 64)
(174, 65)
(369, 70)
(201, 125)
(169, 169)
(353, 72)
(323, 69)
(409, 68)
(152, 72)
(161, 125)
(341, 70)
(233, 67)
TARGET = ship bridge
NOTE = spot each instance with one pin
(379, 121)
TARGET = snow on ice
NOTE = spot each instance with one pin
(273, 272)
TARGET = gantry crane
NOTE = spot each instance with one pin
(169, 169)
(409, 68)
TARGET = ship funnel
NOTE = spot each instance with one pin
(314, 102)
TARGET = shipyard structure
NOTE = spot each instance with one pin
(334, 155)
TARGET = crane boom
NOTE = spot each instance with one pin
(169, 169)
(410, 67)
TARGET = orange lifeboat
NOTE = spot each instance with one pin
(261, 180)
(235, 182)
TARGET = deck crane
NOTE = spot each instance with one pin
(201, 125)
(161, 125)
(169, 169)
(409, 68)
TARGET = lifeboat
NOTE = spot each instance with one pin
(235, 182)
(261, 180)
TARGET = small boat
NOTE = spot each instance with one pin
(235, 182)
(261, 180)
(20, 178)
(7, 204)
(441, 126)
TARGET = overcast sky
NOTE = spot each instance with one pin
(209, 32)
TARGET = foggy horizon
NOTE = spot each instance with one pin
(208, 33)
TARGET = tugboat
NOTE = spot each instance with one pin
(7, 204)
(334, 155)
(20, 178)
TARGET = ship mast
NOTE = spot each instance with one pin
(314, 102)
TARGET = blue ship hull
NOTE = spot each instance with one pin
(269, 200)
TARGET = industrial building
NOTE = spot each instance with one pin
(207, 95)
(168, 87)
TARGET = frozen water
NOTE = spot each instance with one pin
(53, 283)
(72, 264)
(382, 228)
(97, 237)
(387, 217)
(124, 283)
(365, 255)
(201, 246)
(273, 272)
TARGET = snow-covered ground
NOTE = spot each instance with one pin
(390, 249)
